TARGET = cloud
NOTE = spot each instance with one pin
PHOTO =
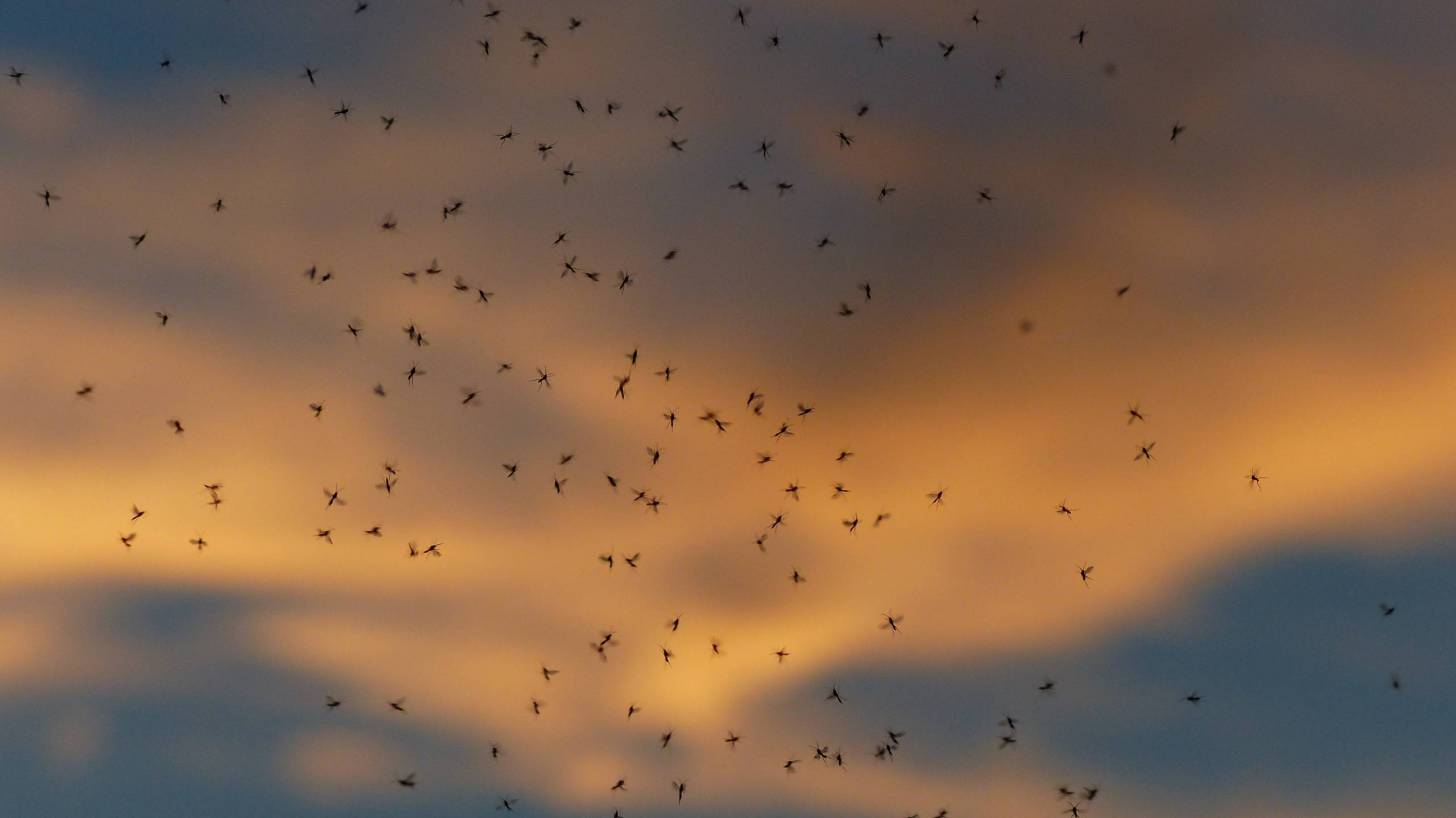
(1287, 312)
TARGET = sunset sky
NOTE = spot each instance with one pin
(1288, 315)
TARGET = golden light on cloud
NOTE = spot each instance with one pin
(336, 765)
(830, 408)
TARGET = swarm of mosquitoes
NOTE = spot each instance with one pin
(531, 46)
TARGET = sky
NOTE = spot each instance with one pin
(1025, 260)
